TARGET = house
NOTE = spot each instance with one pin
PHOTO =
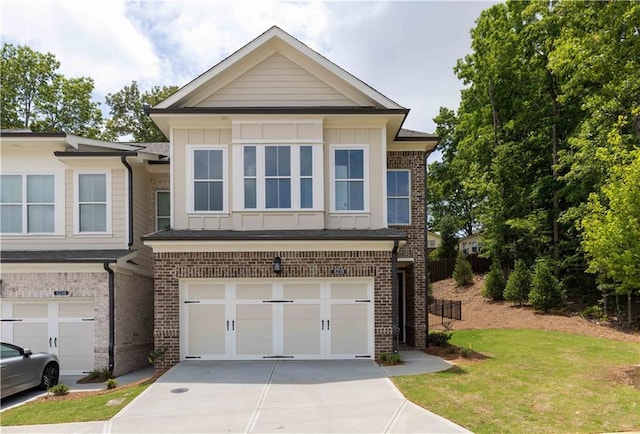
(471, 244)
(76, 279)
(433, 241)
(295, 209)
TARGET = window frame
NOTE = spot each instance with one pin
(408, 197)
(157, 214)
(24, 204)
(366, 179)
(76, 203)
(190, 199)
(295, 177)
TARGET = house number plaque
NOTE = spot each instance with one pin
(339, 271)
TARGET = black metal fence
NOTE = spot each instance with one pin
(446, 308)
(443, 268)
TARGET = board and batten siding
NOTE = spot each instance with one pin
(141, 186)
(276, 81)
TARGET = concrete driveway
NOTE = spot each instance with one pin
(275, 396)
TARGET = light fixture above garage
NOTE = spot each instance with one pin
(277, 264)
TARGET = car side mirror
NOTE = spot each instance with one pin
(27, 353)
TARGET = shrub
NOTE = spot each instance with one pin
(157, 355)
(111, 383)
(439, 339)
(59, 389)
(546, 291)
(390, 358)
(462, 272)
(594, 312)
(494, 284)
(519, 284)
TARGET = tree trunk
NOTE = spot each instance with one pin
(629, 313)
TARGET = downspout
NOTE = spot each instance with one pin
(112, 323)
(123, 158)
(426, 259)
(394, 296)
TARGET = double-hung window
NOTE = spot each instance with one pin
(278, 177)
(92, 202)
(208, 179)
(27, 204)
(398, 197)
(163, 210)
(349, 179)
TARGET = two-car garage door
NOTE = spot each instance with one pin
(302, 319)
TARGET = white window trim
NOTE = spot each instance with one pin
(191, 179)
(400, 197)
(58, 205)
(76, 202)
(317, 177)
(156, 208)
(332, 184)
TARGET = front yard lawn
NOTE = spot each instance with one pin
(74, 407)
(534, 381)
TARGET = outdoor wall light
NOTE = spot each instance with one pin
(277, 264)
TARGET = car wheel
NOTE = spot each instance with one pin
(50, 376)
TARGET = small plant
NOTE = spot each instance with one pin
(462, 272)
(59, 389)
(494, 284)
(439, 339)
(390, 358)
(546, 291)
(466, 352)
(100, 374)
(594, 312)
(518, 284)
(157, 355)
(111, 383)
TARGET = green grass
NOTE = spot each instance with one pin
(54, 410)
(534, 381)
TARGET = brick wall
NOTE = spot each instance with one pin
(415, 277)
(170, 267)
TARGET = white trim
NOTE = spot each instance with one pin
(46, 267)
(270, 246)
(76, 202)
(190, 173)
(386, 196)
(366, 180)
(383, 150)
(172, 200)
(277, 142)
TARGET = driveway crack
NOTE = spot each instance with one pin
(263, 396)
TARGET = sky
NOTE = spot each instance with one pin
(404, 49)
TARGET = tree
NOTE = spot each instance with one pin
(611, 229)
(519, 284)
(494, 283)
(36, 97)
(462, 272)
(546, 292)
(128, 117)
(449, 242)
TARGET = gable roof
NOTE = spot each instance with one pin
(275, 40)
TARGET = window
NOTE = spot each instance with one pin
(349, 172)
(278, 177)
(398, 202)
(27, 202)
(163, 210)
(432, 243)
(208, 180)
(92, 202)
(474, 247)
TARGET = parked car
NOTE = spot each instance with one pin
(22, 369)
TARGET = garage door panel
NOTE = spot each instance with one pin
(31, 310)
(75, 310)
(206, 292)
(301, 291)
(75, 346)
(206, 327)
(349, 329)
(302, 332)
(34, 336)
(254, 329)
(248, 291)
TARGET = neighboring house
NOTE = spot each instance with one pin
(296, 213)
(433, 241)
(76, 279)
(471, 244)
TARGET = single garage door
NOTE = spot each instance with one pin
(300, 319)
(63, 328)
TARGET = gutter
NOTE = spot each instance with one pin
(123, 158)
(394, 297)
(426, 259)
(111, 316)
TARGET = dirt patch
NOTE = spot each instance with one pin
(480, 313)
(83, 394)
(621, 375)
(456, 355)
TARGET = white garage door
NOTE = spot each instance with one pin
(63, 328)
(299, 319)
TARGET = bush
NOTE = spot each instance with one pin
(462, 272)
(546, 291)
(390, 359)
(157, 355)
(594, 312)
(59, 389)
(519, 284)
(494, 284)
(439, 339)
(111, 383)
